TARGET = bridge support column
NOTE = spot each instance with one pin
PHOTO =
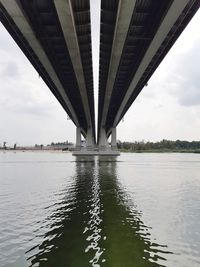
(89, 140)
(78, 138)
(103, 141)
(114, 139)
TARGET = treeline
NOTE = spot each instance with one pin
(60, 143)
(164, 145)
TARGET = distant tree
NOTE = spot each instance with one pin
(161, 145)
(4, 145)
(119, 144)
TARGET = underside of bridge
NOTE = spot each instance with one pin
(56, 38)
(135, 36)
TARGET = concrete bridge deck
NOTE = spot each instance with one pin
(135, 36)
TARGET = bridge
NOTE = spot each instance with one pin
(135, 36)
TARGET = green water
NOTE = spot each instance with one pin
(133, 210)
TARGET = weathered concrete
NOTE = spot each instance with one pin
(114, 139)
(102, 148)
(78, 138)
(90, 140)
(85, 152)
(103, 141)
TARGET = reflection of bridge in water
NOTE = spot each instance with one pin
(135, 36)
(95, 225)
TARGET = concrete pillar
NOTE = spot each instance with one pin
(103, 141)
(78, 138)
(90, 139)
(114, 139)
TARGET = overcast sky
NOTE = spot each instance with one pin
(168, 108)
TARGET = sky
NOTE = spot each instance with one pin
(168, 108)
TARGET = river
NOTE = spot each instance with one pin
(138, 210)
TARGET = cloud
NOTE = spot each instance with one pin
(20, 96)
(30, 114)
(177, 77)
(169, 107)
(189, 90)
(185, 77)
(191, 98)
(10, 70)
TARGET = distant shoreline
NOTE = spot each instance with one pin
(161, 151)
(34, 150)
(120, 150)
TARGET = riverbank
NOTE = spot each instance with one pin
(197, 151)
(120, 150)
(34, 151)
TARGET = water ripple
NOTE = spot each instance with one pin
(143, 209)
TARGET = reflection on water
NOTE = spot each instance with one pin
(128, 242)
(94, 225)
(138, 210)
(65, 244)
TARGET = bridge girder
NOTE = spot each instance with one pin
(55, 35)
(128, 60)
(59, 51)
